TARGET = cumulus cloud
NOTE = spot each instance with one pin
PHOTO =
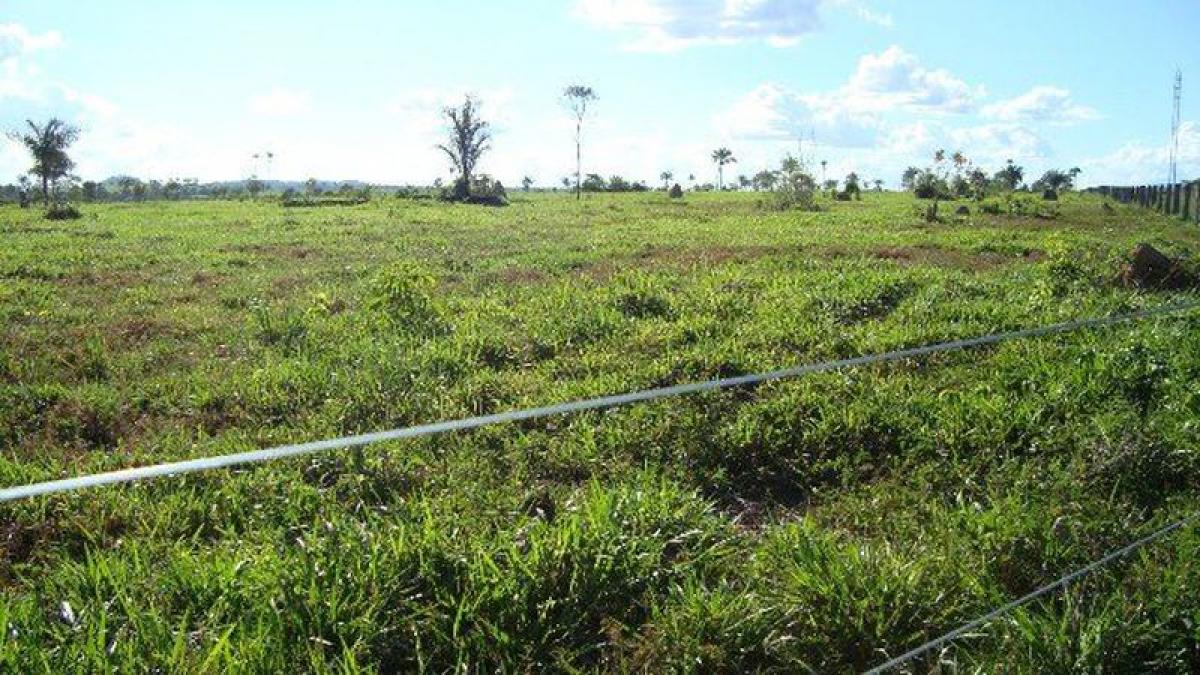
(773, 112)
(281, 102)
(1141, 163)
(853, 115)
(1052, 105)
(17, 40)
(895, 78)
(671, 25)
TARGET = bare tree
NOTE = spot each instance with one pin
(468, 137)
(48, 144)
(578, 98)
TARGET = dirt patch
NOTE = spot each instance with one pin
(294, 251)
(206, 279)
(680, 258)
(513, 276)
(936, 256)
(138, 330)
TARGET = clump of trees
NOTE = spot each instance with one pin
(794, 187)
(47, 145)
(1055, 181)
(597, 183)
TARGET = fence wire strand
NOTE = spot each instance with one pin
(1030, 597)
(286, 451)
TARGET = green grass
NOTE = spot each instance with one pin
(819, 524)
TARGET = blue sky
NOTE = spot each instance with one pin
(353, 89)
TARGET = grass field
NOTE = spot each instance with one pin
(820, 524)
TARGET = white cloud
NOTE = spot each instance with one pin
(773, 112)
(895, 78)
(16, 40)
(1052, 105)
(853, 115)
(281, 102)
(671, 25)
(1137, 163)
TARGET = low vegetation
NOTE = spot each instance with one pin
(810, 525)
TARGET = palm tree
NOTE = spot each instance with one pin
(722, 156)
(823, 163)
(666, 177)
(48, 145)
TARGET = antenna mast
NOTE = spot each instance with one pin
(1173, 176)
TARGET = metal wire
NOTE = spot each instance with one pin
(1029, 597)
(284, 451)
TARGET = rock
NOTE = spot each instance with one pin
(1150, 268)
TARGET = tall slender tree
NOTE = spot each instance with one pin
(47, 144)
(666, 177)
(722, 156)
(578, 99)
(468, 137)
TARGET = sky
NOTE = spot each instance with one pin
(354, 90)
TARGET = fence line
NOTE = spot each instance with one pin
(1031, 596)
(1178, 199)
(285, 451)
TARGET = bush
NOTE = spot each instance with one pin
(1050, 194)
(63, 212)
(990, 207)
(402, 294)
(483, 190)
(929, 186)
(676, 192)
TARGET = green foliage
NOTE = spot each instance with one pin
(814, 524)
(60, 211)
(401, 294)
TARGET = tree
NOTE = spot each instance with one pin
(311, 188)
(48, 144)
(908, 180)
(578, 98)
(743, 182)
(824, 163)
(527, 183)
(1009, 178)
(468, 137)
(721, 157)
(878, 185)
(666, 177)
(852, 187)
(594, 183)
(765, 180)
(253, 186)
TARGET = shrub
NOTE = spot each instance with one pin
(483, 190)
(63, 212)
(990, 207)
(795, 188)
(402, 295)
(676, 192)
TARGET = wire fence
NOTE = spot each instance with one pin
(294, 450)
(1062, 582)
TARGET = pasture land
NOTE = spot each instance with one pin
(817, 524)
